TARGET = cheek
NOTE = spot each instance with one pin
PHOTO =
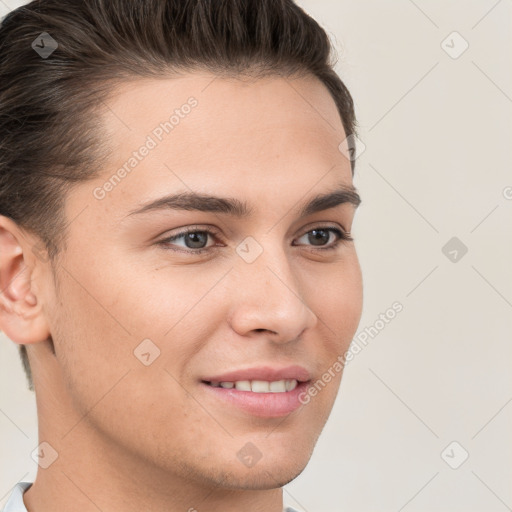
(337, 297)
(91, 343)
(350, 300)
(100, 316)
(131, 321)
(108, 384)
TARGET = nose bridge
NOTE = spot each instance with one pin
(269, 296)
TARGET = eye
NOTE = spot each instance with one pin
(195, 239)
(322, 234)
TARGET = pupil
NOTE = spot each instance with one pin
(192, 237)
(322, 231)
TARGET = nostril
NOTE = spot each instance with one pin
(265, 330)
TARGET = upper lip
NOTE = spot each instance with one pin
(268, 373)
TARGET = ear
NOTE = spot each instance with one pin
(21, 315)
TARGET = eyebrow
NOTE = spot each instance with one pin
(231, 206)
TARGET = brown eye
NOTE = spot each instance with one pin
(195, 240)
(320, 236)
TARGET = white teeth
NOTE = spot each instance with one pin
(259, 386)
(278, 386)
(243, 385)
(291, 384)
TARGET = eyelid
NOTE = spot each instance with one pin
(343, 236)
(194, 229)
(326, 225)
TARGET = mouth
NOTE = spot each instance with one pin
(256, 386)
(264, 399)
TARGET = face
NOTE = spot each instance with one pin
(145, 313)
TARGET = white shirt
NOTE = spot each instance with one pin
(15, 502)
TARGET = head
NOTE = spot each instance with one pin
(117, 312)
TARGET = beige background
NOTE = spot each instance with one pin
(437, 161)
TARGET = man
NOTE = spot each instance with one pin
(176, 201)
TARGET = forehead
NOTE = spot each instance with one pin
(207, 113)
(267, 98)
(273, 136)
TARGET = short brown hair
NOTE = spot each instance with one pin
(50, 137)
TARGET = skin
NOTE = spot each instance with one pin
(133, 437)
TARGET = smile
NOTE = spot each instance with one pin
(258, 386)
(265, 399)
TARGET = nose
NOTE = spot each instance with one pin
(269, 299)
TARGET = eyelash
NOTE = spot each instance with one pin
(343, 236)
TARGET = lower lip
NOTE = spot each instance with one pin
(264, 405)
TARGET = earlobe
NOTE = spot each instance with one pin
(21, 315)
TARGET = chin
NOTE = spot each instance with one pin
(262, 480)
(264, 477)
